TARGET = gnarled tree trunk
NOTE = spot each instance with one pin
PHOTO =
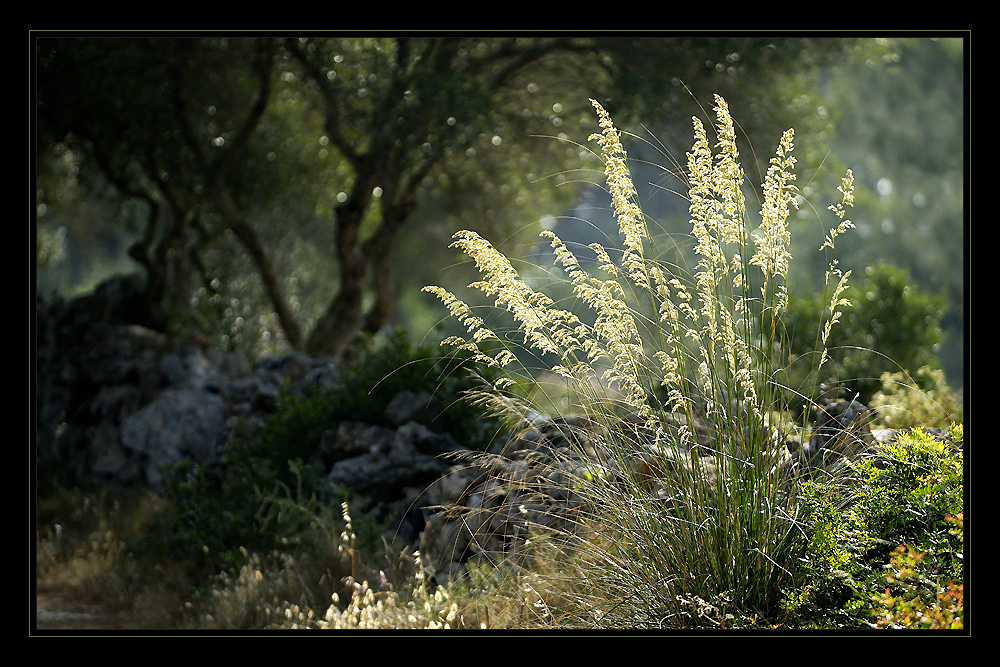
(337, 328)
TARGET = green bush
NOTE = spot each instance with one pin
(889, 326)
(921, 399)
(905, 494)
(272, 487)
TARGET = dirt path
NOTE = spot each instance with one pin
(57, 610)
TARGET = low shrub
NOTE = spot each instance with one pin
(888, 326)
(922, 398)
(895, 508)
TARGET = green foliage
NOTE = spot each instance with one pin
(918, 594)
(904, 495)
(889, 325)
(921, 399)
(272, 488)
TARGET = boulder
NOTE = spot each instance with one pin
(842, 429)
(182, 422)
(407, 406)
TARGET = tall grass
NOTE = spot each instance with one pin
(688, 518)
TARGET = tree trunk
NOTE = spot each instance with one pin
(340, 324)
(380, 252)
(384, 279)
(166, 262)
(265, 267)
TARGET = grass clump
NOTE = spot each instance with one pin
(691, 519)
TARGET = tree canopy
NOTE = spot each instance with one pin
(272, 179)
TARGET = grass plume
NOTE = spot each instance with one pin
(675, 375)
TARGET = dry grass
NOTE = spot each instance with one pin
(86, 575)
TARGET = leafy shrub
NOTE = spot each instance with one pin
(210, 519)
(888, 326)
(921, 399)
(904, 495)
(916, 594)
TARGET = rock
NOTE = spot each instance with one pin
(426, 440)
(486, 505)
(444, 548)
(300, 371)
(408, 406)
(389, 460)
(354, 439)
(842, 429)
(179, 423)
(454, 486)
